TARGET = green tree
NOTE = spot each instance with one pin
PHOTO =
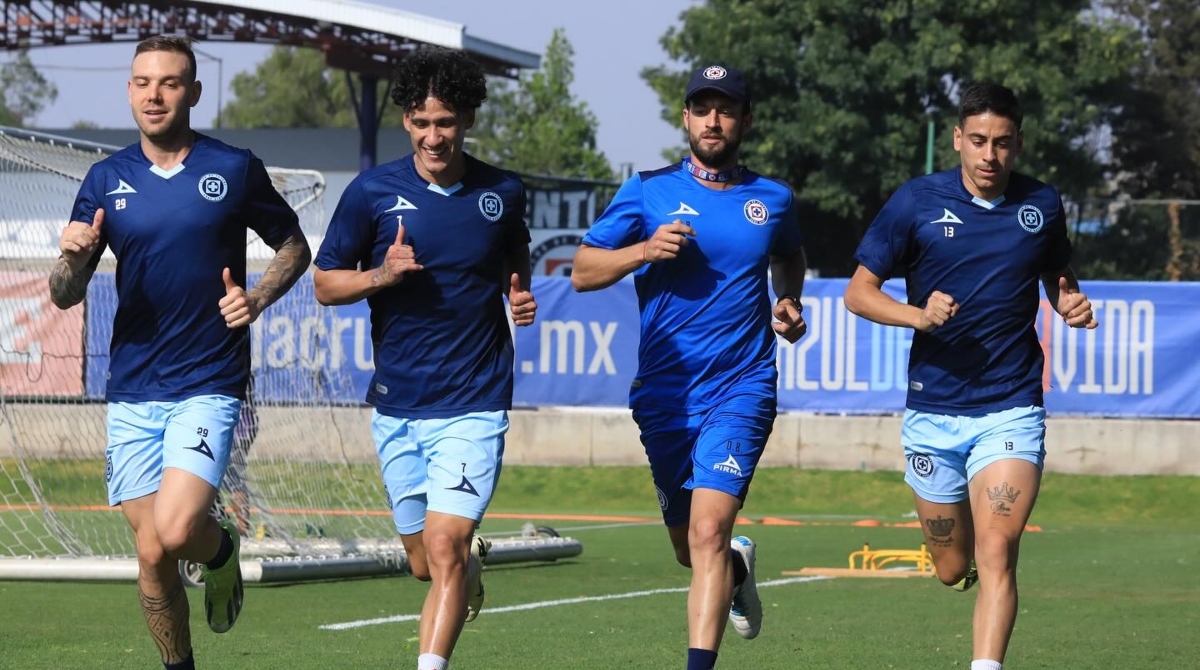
(1156, 136)
(26, 91)
(844, 89)
(292, 88)
(537, 126)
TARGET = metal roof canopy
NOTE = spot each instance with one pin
(354, 36)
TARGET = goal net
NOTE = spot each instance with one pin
(305, 488)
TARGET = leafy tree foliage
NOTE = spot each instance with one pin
(537, 126)
(844, 89)
(292, 88)
(26, 91)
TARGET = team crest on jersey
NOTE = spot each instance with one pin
(756, 212)
(213, 187)
(491, 206)
(715, 72)
(1030, 218)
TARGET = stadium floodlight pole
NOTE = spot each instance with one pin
(220, 79)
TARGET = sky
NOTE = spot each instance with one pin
(613, 41)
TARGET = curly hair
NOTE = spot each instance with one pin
(448, 75)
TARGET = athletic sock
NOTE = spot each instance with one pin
(432, 662)
(984, 664)
(188, 663)
(739, 567)
(701, 659)
(223, 552)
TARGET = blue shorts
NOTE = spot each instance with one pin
(944, 452)
(192, 435)
(717, 449)
(441, 465)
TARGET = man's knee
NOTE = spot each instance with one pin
(996, 552)
(175, 534)
(708, 534)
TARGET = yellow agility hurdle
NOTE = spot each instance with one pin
(884, 563)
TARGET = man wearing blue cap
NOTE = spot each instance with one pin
(698, 237)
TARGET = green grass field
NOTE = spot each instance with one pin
(1109, 582)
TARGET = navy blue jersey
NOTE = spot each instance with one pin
(173, 232)
(441, 336)
(706, 314)
(989, 257)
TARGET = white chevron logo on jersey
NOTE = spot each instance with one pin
(947, 217)
(684, 210)
(122, 187)
(401, 203)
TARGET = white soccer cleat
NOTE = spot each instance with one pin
(746, 612)
(479, 551)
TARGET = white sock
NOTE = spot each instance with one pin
(984, 664)
(435, 662)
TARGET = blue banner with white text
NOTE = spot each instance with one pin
(582, 351)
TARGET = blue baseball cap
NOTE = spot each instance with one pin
(724, 80)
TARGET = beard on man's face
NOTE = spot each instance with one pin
(716, 156)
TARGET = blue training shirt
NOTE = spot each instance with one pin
(173, 233)
(441, 336)
(705, 315)
(989, 257)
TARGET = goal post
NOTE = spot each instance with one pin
(311, 475)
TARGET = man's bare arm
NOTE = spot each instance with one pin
(68, 287)
(292, 258)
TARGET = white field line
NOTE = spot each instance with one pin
(553, 603)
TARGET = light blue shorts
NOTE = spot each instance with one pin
(449, 466)
(717, 449)
(192, 435)
(944, 452)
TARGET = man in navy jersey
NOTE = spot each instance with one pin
(434, 241)
(174, 208)
(699, 237)
(973, 243)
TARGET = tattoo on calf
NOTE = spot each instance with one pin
(938, 531)
(1002, 496)
(167, 618)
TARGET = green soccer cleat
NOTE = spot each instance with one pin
(746, 612)
(479, 551)
(223, 589)
(967, 582)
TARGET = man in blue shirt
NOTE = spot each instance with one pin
(699, 237)
(972, 244)
(174, 208)
(434, 241)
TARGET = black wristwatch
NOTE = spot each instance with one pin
(793, 298)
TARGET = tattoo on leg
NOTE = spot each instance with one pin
(1002, 496)
(939, 531)
(167, 618)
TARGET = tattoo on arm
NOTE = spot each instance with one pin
(69, 287)
(939, 531)
(167, 618)
(291, 260)
(1002, 496)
